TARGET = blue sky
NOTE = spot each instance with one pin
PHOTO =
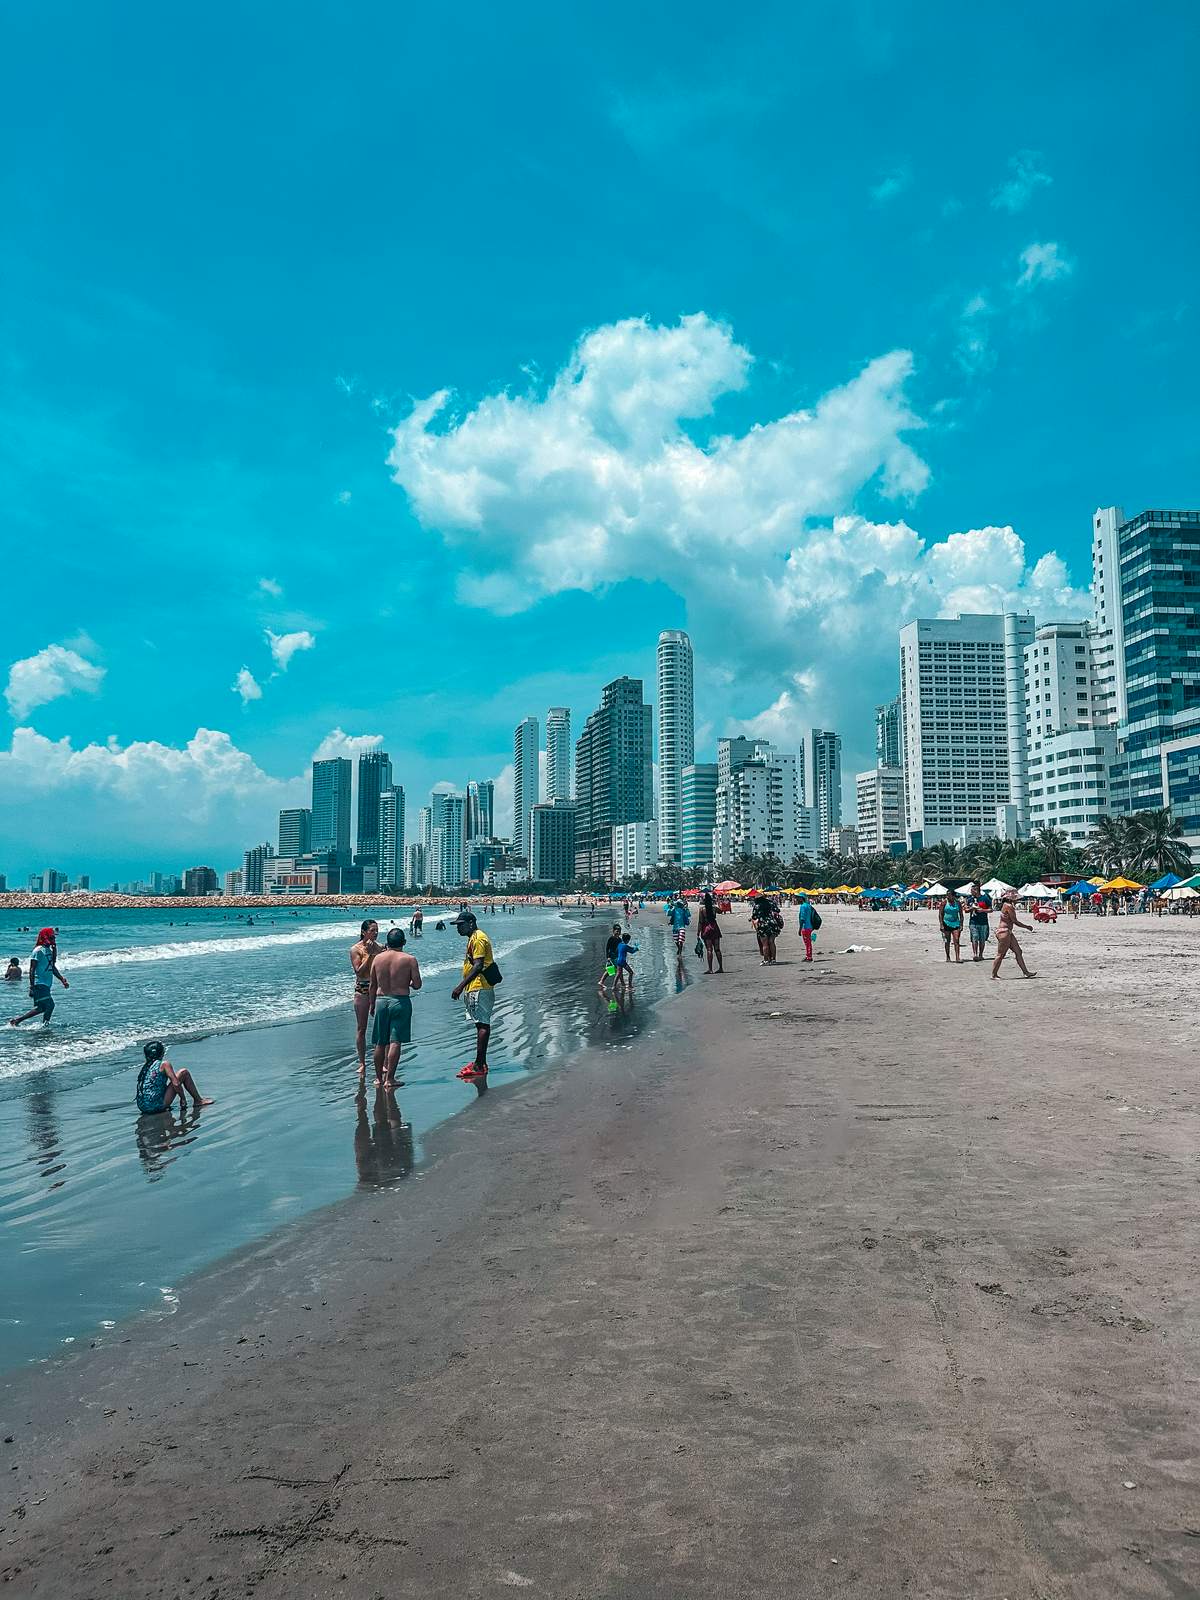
(777, 325)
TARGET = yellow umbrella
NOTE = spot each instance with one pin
(1121, 883)
(1099, 882)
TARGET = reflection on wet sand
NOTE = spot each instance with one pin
(46, 1150)
(383, 1146)
(160, 1137)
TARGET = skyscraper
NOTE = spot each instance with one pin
(447, 815)
(552, 842)
(676, 737)
(699, 813)
(879, 793)
(392, 864)
(374, 776)
(614, 780)
(889, 721)
(558, 753)
(525, 780)
(758, 804)
(1070, 746)
(252, 868)
(295, 832)
(822, 786)
(955, 686)
(480, 823)
(331, 807)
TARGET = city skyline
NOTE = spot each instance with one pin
(665, 409)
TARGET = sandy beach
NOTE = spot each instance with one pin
(867, 1278)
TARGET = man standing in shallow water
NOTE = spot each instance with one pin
(476, 991)
(394, 976)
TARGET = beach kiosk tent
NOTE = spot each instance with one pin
(1181, 891)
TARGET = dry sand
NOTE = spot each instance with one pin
(870, 1278)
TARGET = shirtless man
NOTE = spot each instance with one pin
(1006, 938)
(362, 955)
(394, 976)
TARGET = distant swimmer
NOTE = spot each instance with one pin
(394, 977)
(13, 972)
(362, 955)
(159, 1085)
(43, 968)
(439, 927)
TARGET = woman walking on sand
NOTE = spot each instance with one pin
(767, 924)
(1006, 938)
(950, 919)
(710, 932)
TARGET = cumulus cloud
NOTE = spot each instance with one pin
(269, 586)
(338, 743)
(603, 473)
(1025, 175)
(205, 800)
(46, 676)
(285, 645)
(1043, 263)
(891, 185)
(246, 684)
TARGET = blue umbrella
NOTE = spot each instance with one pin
(1082, 888)
(1167, 881)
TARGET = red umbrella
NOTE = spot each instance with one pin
(724, 888)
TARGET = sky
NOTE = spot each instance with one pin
(382, 375)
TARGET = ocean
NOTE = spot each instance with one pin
(105, 1214)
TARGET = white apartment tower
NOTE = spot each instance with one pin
(959, 677)
(525, 781)
(1071, 745)
(392, 864)
(879, 794)
(558, 754)
(759, 806)
(676, 737)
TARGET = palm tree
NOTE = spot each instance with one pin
(1053, 846)
(1109, 845)
(831, 867)
(1156, 840)
(945, 859)
(991, 856)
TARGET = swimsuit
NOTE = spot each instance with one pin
(393, 1019)
(153, 1084)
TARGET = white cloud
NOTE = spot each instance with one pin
(344, 497)
(285, 645)
(46, 676)
(596, 479)
(1043, 263)
(891, 185)
(336, 743)
(973, 350)
(1025, 175)
(149, 802)
(247, 686)
(269, 586)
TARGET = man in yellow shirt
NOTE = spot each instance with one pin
(477, 994)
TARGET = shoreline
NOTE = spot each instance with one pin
(829, 1284)
(98, 900)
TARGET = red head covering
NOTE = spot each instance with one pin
(46, 936)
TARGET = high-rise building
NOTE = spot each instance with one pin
(889, 725)
(199, 881)
(391, 863)
(758, 804)
(676, 736)
(233, 881)
(821, 782)
(295, 832)
(374, 776)
(843, 841)
(525, 780)
(552, 842)
(956, 689)
(34, 883)
(448, 842)
(56, 882)
(331, 807)
(558, 753)
(415, 875)
(1070, 745)
(614, 780)
(880, 803)
(480, 814)
(699, 813)
(635, 850)
(1150, 593)
(253, 863)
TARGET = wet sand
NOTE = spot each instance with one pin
(867, 1278)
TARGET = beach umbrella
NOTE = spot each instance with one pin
(1096, 883)
(1181, 891)
(728, 886)
(1167, 881)
(1117, 885)
(1037, 891)
(935, 889)
(1190, 883)
(996, 886)
(1082, 887)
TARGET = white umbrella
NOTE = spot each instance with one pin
(1181, 892)
(997, 886)
(935, 889)
(1037, 891)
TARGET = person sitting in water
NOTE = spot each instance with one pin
(439, 927)
(159, 1085)
(13, 975)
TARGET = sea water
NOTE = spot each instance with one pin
(104, 1214)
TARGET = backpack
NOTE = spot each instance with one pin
(816, 919)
